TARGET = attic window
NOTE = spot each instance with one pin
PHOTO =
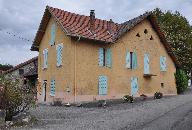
(151, 38)
(138, 35)
(145, 31)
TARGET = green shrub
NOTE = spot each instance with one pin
(128, 98)
(181, 81)
(16, 97)
(158, 95)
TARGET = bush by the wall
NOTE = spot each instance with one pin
(181, 81)
(158, 95)
(16, 97)
(128, 98)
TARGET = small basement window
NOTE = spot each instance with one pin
(151, 38)
(162, 85)
(138, 35)
(145, 31)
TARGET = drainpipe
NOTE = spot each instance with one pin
(75, 73)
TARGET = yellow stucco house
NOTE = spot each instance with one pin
(82, 58)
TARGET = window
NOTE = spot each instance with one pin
(131, 57)
(59, 50)
(134, 86)
(162, 85)
(151, 38)
(102, 85)
(138, 35)
(163, 65)
(45, 58)
(52, 34)
(21, 71)
(145, 31)
(52, 88)
(131, 60)
(146, 64)
(105, 57)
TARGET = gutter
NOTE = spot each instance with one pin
(75, 67)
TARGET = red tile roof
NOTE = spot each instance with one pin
(75, 25)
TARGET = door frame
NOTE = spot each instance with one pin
(44, 90)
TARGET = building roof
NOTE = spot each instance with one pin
(75, 25)
(32, 72)
(35, 59)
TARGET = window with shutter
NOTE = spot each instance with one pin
(59, 50)
(52, 88)
(131, 60)
(52, 33)
(45, 58)
(128, 60)
(108, 57)
(163, 65)
(134, 60)
(105, 57)
(102, 85)
(134, 86)
(101, 57)
(146, 64)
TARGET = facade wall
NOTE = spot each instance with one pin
(80, 69)
(63, 75)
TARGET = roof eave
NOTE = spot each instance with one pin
(41, 29)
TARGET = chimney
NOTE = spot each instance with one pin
(92, 20)
(110, 26)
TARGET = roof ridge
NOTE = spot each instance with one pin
(49, 7)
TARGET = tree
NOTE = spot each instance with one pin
(178, 33)
(16, 97)
(181, 81)
(5, 67)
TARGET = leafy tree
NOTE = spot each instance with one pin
(5, 67)
(178, 32)
(16, 98)
(181, 81)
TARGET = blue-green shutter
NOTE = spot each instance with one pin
(134, 62)
(146, 64)
(101, 57)
(45, 58)
(108, 57)
(52, 88)
(102, 85)
(128, 60)
(43, 63)
(59, 54)
(163, 65)
(134, 86)
(52, 33)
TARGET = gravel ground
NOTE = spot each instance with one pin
(120, 116)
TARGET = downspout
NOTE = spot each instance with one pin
(75, 73)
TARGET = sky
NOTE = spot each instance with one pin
(22, 18)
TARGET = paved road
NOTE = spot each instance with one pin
(173, 113)
(179, 118)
